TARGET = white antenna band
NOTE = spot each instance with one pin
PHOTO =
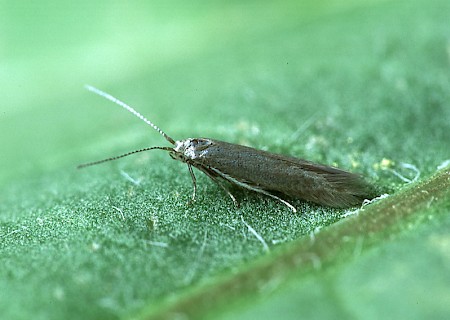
(128, 108)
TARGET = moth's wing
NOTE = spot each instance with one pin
(287, 175)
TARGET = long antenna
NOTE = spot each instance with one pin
(128, 108)
(84, 165)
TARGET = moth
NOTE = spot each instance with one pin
(274, 175)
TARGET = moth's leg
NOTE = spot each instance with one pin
(290, 206)
(194, 182)
(253, 188)
(267, 193)
(214, 178)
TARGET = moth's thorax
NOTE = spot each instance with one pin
(190, 149)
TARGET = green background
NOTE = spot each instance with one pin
(363, 85)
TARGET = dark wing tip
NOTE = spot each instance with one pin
(347, 190)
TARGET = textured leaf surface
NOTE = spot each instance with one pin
(360, 85)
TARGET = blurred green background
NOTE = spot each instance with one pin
(364, 85)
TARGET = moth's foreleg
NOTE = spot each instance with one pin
(194, 182)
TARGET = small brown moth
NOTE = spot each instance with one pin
(271, 174)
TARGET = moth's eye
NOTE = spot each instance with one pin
(201, 144)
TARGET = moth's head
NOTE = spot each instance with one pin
(190, 149)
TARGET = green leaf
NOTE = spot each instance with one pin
(360, 85)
